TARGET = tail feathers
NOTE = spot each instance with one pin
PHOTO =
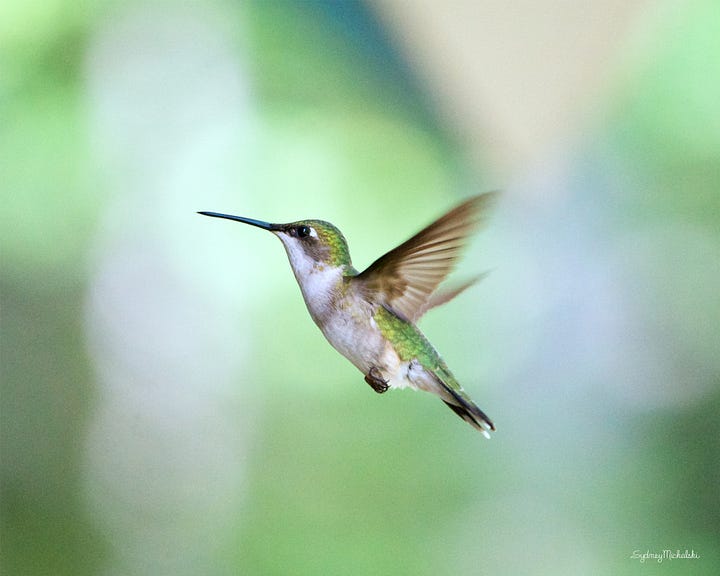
(468, 411)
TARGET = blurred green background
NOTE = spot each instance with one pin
(168, 406)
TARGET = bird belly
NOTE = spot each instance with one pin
(356, 338)
(354, 333)
(367, 348)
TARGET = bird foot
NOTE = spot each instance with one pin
(376, 382)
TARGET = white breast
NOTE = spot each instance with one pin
(348, 325)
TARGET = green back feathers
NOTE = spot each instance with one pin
(407, 340)
(410, 343)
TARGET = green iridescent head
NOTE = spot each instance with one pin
(320, 240)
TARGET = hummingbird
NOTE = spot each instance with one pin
(370, 317)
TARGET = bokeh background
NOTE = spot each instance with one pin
(169, 408)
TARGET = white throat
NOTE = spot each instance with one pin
(318, 281)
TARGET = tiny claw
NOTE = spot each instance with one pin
(376, 382)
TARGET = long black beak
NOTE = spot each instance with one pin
(258, 223)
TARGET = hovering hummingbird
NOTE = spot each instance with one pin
(369, 317)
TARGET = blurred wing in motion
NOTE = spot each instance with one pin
(404, 279)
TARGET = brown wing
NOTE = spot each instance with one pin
(440, 296)
(404, 279)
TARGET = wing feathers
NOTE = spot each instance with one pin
(405, 278)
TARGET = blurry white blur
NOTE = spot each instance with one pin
(167, 444)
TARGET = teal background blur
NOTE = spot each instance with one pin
(168, 406)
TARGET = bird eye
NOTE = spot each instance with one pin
(303, 231)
